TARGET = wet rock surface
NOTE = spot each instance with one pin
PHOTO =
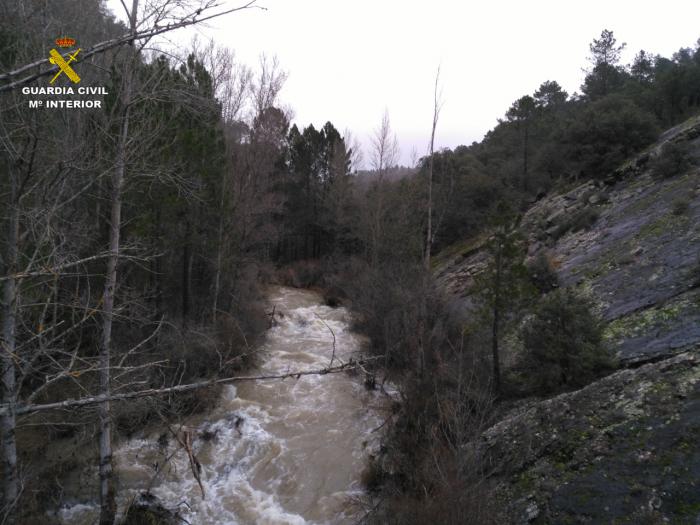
(626, 448)
(621, 450)
(639, 257)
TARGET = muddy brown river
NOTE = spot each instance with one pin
(282, 452)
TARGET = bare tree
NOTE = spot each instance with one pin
(53, 193)
(353, 145)
(437, 105)
(384, 156)
(108, 505)
(159, 18)
(233, 88)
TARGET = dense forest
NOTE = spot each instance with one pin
(137, 240)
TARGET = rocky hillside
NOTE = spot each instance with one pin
(631, 240)
(625, 449)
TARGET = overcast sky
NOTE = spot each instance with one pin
(348, 61)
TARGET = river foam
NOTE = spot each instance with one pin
(273, 452)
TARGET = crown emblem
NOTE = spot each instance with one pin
(65, 42)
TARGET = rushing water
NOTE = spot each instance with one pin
(282, 452)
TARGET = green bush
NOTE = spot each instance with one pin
(580, 220)
(563, 343)
(401, 312)
(672, 160)
(542, 273)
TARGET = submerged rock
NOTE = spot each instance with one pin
(148, 510)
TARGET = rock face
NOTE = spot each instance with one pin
(622, 450)
(631, 241)
(626, 448)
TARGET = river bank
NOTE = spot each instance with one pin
(273, 452)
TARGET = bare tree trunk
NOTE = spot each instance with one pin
(436, 113)
(8, 312)
(186, 265)
(219, 249)
(385, 151)
(107, 495)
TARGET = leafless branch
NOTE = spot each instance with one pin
(187, 20)
(93, 400)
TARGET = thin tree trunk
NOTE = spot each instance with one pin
(429, 235)
(186, 256)
(219, 248)
(495, 327)
(436, 113)
(107, 495)
(525, 148)
(8, 312)
(157, 265)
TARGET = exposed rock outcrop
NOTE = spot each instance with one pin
(626, 448)
(633, 245)
(621, 450)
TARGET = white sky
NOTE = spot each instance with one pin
(348, 61)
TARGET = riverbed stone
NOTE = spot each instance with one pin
(148, 510)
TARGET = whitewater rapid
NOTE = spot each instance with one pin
(272, 452)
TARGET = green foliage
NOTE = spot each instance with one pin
(318, 192)
(672, 160)
(463, 193)
(606, 75)
(680, 206)
(550, 95)
(605, 50)
(504, 284)
(606, 133)
(581, 220)
(399, 310)
(563, 343)
(542, 273)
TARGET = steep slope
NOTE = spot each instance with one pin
(626, 448)
(640, 258)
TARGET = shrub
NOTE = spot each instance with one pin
(302, 274)
(580, 220)
(542, 273)
(563, 343)
(606, 133)
(672, 160)
(680, 206)
(400, 310)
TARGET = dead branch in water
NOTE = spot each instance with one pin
(195, 465)
(93, 400)
(333, 334)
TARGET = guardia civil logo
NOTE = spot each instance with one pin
(64, 64)
(62, 92)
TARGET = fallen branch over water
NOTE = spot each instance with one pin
(186, 443)
(151, 392)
